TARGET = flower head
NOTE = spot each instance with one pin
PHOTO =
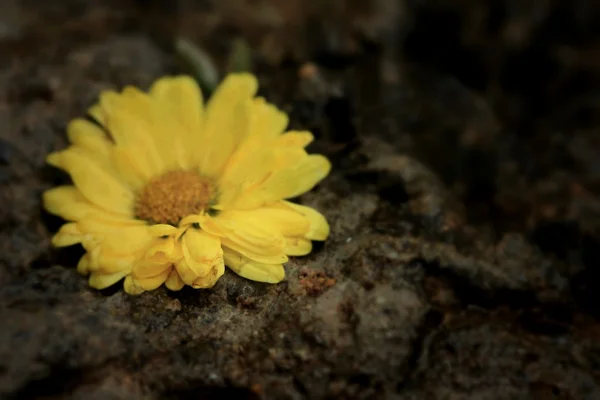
(169, 190)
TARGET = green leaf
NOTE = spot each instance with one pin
(200, 64)
(240, 57)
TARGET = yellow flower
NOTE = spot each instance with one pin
(167, 190)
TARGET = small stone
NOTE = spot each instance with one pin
(174, 305)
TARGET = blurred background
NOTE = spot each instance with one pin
(474, 124)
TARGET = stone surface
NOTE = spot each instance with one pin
(463, 255)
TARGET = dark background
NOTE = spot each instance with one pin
(463, 258)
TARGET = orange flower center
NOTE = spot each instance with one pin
(172, 196)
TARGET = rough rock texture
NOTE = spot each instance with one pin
(463, 258)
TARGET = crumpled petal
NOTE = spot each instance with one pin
(99, 280)
(174, 281)
(295, 246)
(202, 263)
(152, 282)
(318, 226)
(246, 268)
(245, 233)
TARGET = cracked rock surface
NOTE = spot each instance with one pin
(464, 249)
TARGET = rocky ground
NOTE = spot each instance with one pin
(463, 258)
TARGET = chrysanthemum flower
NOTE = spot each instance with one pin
(167, 190)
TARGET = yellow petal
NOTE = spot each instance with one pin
(129, 120)
(247, 234)
(131, 287)
(162, 230)
(267, 121)
(95, 225)
(204, 282)
(117, 248)
(202, 252)
(255, 254)
(246, 172)
(234, 86)
(99, 280)
(268, 273)
(174, 282)
(285, 221)
(227, 123)
(251, 168)
(181, 98)
(162, 247)
(103, 261)
(140, 106)
(292, 173)
(128, 167)
(184, 271)
(295, 139)
(67, 202)
(98, 114)
(91, 138)
(288, 158)
(83, 266)
(96, 184)
(295, 246)
(68, 235)
(211, 279)
(318, 226)
(209, 225)
(188, 276)
(119, 238)
(149, 268)
(225, 136)
(300, 178)
(248, 224)
(192, 219)
(129, 239)
(153, 282)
